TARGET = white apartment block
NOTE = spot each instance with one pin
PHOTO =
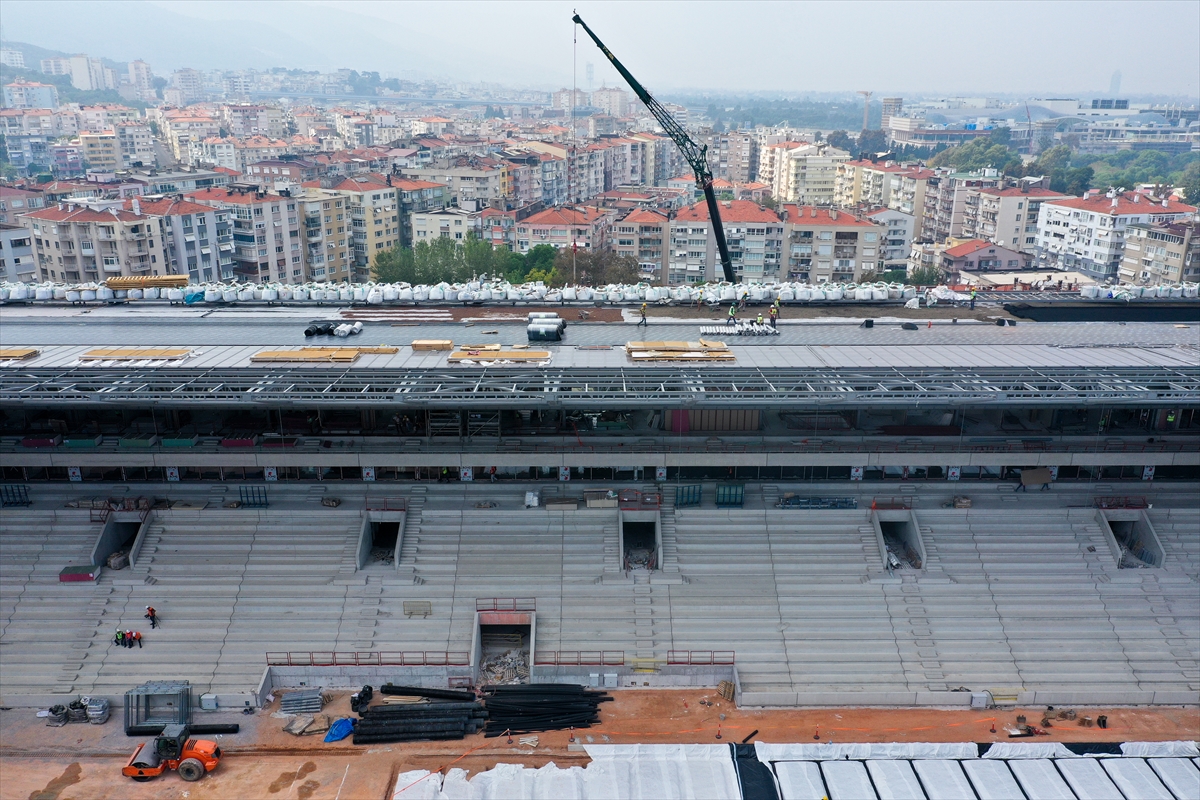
(807, 174)
(825, 245)
(1161, 253)
(896, 237)
(1007, 216)
(1087, 234)
(754, 235)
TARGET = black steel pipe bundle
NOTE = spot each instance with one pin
(432, 694)
(406, 723)
(529, 708)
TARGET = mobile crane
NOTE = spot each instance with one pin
(696, 155)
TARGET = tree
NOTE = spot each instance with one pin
(1076, 181)
(769, 202)
(841, 140)
(1191, 183)
(872, 142)
(925, 276)
(1001, 136)
(978, 154)
(593, 269)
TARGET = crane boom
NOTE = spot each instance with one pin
(695, 154)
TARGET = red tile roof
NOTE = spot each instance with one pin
(229, 197)
(731, 211)
(967, 248)
(1034, 192)
(1102, 204)
(824, 217)
(645, 215)
(73, 213)
(167, 207)
(564, 216)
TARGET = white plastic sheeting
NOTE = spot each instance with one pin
(944, 780)
(625, 772)
(1040, 780)
(1179, 775)
(992, 780)
(1160, 749)
(832, 751)
(847, 780)
(1011, 750)
(800, 780)
(1088, 779)
(1134, 778)
(894, 780)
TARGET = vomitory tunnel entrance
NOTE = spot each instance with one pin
(640, 540)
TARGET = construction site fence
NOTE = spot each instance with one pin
(506, 604)
(579, 658)
(408, 658)
(700, 658)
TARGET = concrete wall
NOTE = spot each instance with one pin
(669, 676)
(114, 533)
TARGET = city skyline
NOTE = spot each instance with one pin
(660, 48)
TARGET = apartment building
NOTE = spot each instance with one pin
(446, 223)
(468, 178)
(826, 245)
(416, 196)
(907, 194)
(896, 237)
(92, 241)
(182, 130)
(583, 227)
(328, 240)
(498, 228)
(15, 202)
(266, 232)
(244, 120)
(197, 239)
(733, 155)
(612, 101)
(188, 85)
(753, 233)
(17, 262)
(25, 94)
(771, 156)
(141, 79)
(1006, 216)
(980, 255)
(644, 235)
(661, 159)
(374, 213)
(1087, 233)
(1161, 253)
(807, 174)
(866, 183)
(946, 196)
(101, 151)
(28, 134)
(135, 142)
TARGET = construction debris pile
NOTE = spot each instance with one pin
(510, 667)
(434, 714)
(900, 555)
(530, 708)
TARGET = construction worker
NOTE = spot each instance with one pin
(137, 637)
(492, 474)
(972, 299)
(732, 320)
(128, 640)
(643, 320)
(774, 312)
(152, 616)
(119, 638)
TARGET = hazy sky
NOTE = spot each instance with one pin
(951, 47)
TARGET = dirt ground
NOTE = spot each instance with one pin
(83, 762)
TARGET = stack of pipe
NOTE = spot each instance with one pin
(451, 715)
(528, 708)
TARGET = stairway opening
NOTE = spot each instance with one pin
(1138, 551)
(899, 540)
(504, 653)
(639, 542)
(383, 535)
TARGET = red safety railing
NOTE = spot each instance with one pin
(386, 504)
(580, 658)
(701, 658)
(506, 604)
(99, 514)
(633, 500)
(891, 503)
(1120, 502)
(411, 658)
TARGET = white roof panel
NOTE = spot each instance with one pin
(1040, 780)
(1088, 779)
(1134, 778)
(1179, 775)
(895, 780)
(847, 780)
(800, 780)
(992, 780)
(944, 780)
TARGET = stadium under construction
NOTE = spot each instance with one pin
(832, 515)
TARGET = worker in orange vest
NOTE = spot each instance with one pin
(137, 637)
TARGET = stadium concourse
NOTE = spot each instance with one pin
(830, 516)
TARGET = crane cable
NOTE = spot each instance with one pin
(571, 159)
